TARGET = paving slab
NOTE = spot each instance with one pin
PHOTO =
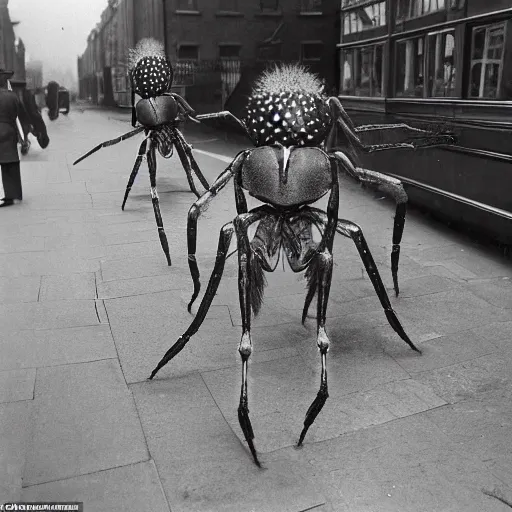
(135, 267)
(48, 315)
(15, 431)
(281, 391)
(53, 347)
(21, 243)
(19, 289)
(84, 421)
(481, 429)
(441, 351)
(17, 385)
(133, 488)
(404, 465)
(145, 326)
(201, 463)
(72, 287)
(470, 379)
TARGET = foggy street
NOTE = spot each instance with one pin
(88, 306)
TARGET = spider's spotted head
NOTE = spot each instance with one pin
(150, 70)
(287, 106)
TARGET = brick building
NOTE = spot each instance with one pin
(12, 49)
(210, 43)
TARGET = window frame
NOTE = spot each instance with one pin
(230, 45)
(307, 9)
(410, 3)
(429, 86)
(316, 42)
(263, 9)
(189, 45)
(485, 61)
(179, 8)
(351, 10)
(423, 38)
(361, 48)
(221, 8)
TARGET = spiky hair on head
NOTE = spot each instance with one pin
(288, 78)
(288, 107)
(150, 70)
(147, 47)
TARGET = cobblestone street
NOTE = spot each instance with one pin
(88, 306)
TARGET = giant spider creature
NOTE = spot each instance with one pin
(296, 132)
(160, 114)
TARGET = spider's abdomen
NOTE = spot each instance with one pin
(152, 76)
(287, 177)
(156, 111)
(288, 118)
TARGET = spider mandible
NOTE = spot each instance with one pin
(288, 171)
(159, 113)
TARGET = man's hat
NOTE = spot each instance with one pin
(6, 72)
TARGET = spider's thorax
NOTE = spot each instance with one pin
(287, 177)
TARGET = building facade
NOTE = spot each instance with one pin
(210, 41)
(444, 64)
(12, 49)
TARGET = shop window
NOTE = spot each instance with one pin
(414, 8)
(310, 6)
(186, 5)
(311, 50)
(441, 64)
(410, 67)
(486, 61)
(364, 18)
(362, 71)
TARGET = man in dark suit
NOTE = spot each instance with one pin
(10, 108)
(30, 116)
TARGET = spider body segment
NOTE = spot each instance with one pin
(159, 114)
(288, 170)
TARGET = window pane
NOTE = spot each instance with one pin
(361, 71)
(312, 51)
(441, 64)
(229, 51)
(311, 5)
(346, 73)
(409, 68)
(486, 62)
(187, 5)
(188, 52)
(228, 5)
(367, 17)
(269, 5)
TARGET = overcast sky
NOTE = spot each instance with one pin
(55, 31)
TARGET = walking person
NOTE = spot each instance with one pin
(9, 159)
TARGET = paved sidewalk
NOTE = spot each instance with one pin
(88, 306)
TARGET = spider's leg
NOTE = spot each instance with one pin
(225, 237)
(329, 231)
(322, 265)
(187, 148)
(155, 201)
(389, 186)
(108, 143)
(245, 284)
(353, 231)
(186, 166)
(200, 206)
(135, 170)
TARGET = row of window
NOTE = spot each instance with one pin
(310, 51)
(361, 15)
(426, 66)
(264, 5)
